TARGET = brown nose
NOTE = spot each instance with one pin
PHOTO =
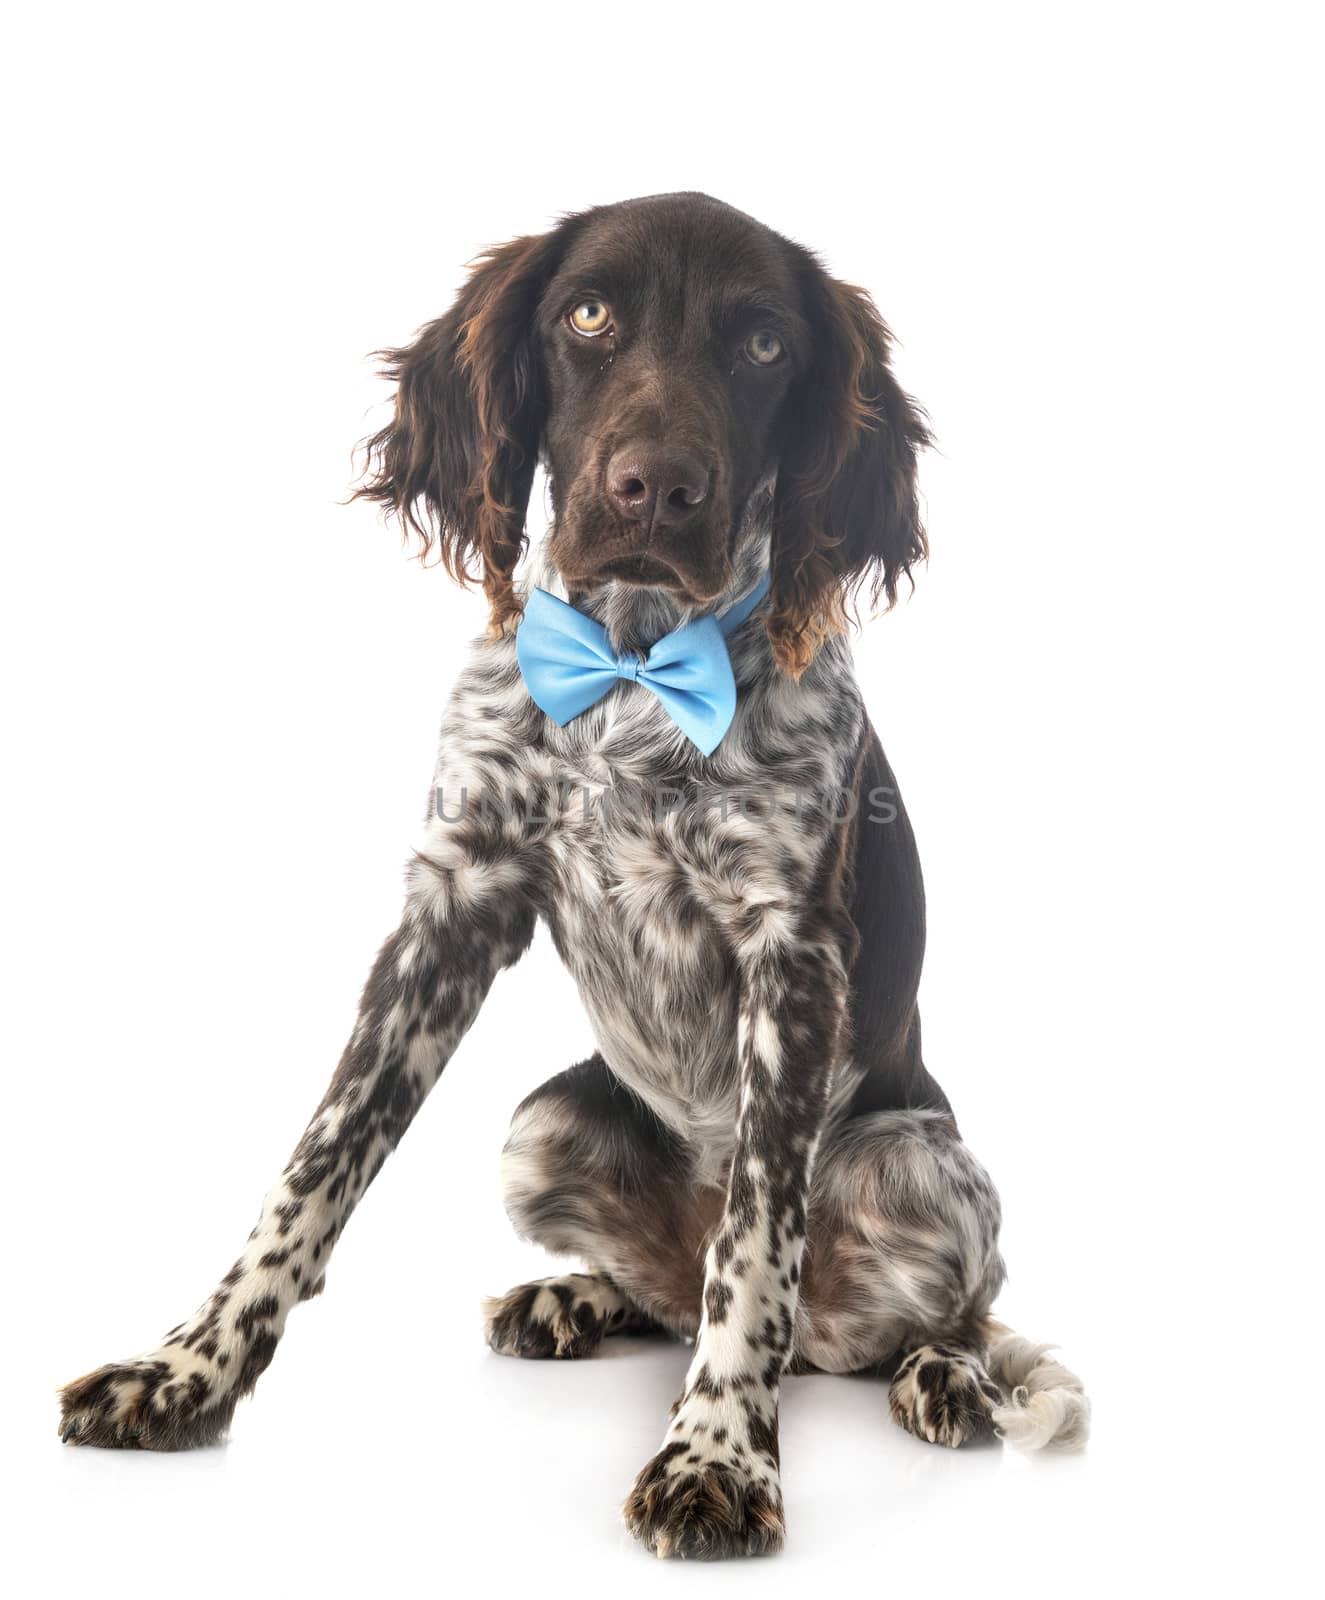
(656, 487)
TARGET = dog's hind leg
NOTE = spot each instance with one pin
(949, 1393)
(902, 1266)
(903, 1243)
(590, 1172)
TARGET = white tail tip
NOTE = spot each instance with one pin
(1045, 1404)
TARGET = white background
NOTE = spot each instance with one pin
(1092, 230)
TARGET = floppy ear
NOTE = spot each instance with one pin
(846, 515)
(456, 462)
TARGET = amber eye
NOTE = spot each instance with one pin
(590, 317)
(763, 348)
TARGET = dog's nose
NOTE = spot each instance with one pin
(656, 488)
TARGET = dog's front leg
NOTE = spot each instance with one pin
(467, 915)
(713, 1489)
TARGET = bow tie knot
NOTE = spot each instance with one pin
(569, 665)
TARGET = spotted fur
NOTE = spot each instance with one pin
(562, 1318)
(943, 1395)
(755, 1157)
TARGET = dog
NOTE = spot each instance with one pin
(660, 748)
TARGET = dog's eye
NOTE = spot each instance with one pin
(763, 348)
(590, 317)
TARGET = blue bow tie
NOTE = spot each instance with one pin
(569, 665)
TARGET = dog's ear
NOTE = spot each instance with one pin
(846, 511)
(456, 462)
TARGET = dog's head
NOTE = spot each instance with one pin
(685, 372)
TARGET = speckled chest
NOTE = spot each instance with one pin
(652, 860)
(648, 949)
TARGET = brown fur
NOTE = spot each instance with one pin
(456, 462)
(847, 515)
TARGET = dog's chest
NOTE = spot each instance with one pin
(656, 867)
(632, 909)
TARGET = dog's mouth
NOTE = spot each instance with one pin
(589, 554)
(643, 571)
(637, 566)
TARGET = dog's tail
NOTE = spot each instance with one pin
(1043, 1403)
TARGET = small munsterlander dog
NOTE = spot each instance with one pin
(660, 747)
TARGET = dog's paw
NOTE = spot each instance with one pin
(943, 1395)
(171, 1400)
(559, 1318)
(683, 1505)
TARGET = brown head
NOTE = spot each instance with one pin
(681, 369)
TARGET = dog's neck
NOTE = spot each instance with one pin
(636, 617)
